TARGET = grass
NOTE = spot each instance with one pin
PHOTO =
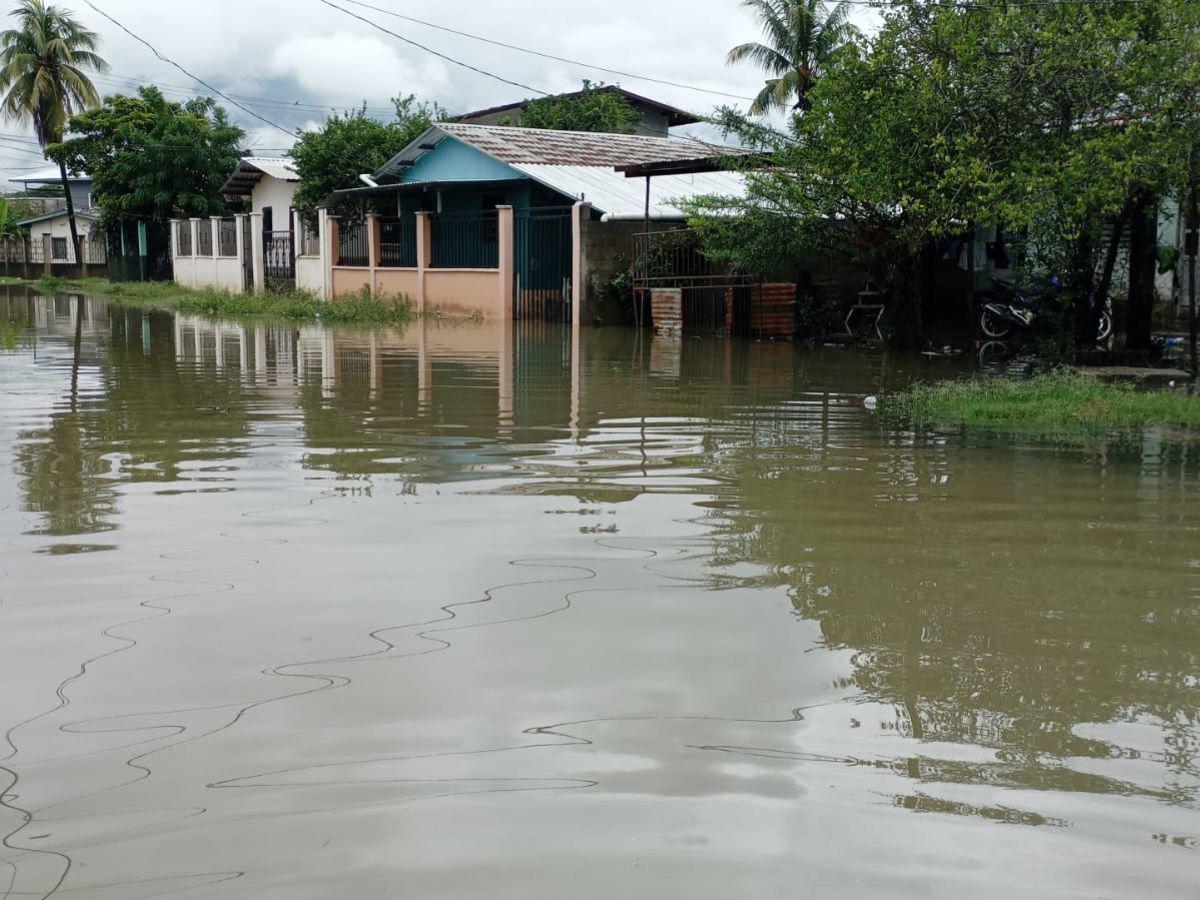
(295, 306)
(1060, 402)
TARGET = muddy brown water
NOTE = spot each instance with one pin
(464, 611)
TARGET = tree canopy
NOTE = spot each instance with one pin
(1050, 118)
(332, 157)
(595, 108)
(151, 157)
(801, 38)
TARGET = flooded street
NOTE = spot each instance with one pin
(465, 611)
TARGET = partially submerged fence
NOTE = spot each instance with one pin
(467, 240)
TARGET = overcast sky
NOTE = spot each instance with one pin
(304, 52)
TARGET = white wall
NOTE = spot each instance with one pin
(221, 272)
(310, 275)
(276, 194)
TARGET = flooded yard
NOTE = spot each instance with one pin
(468, 611)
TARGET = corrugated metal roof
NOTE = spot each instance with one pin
(59, 214)
(545, 147)
(619, 197)
(281, 167)
(47, 176)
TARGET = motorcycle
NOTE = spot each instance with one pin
(1012, 308)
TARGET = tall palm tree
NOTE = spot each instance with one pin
(801, 37)
(42, 63)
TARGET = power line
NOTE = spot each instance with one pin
(421, 46)
(543, 55)
(198, 80)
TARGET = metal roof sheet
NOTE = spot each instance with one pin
(47, 176)
(251, 169)
(619, 197)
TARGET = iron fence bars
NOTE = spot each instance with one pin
(542, 237)
(61, 250)
(37, 250)
(468, 240)
(204, 238)
(96, 252)
(398, 242)
(675, 258)
(310, 240)
(352, 244)
(247, 256)
(183, 238)
(278, 260)
(227, 237)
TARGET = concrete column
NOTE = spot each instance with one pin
(374, 238)
(241, 223)
(256, 248)
(323, 230)
(581, 212)
(47, 254)
(424, 368)
(424, 255)
(505, 260)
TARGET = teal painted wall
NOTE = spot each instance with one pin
(452, 160)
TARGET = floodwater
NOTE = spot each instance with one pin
(466, 611)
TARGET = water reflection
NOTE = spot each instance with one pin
(703, 556)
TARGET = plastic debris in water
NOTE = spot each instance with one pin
(870, 403)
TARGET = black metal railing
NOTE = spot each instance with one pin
(227, 237)
(278, 259)
(204, 238)
(95, 250)
(543, 240)
(183, 239)
(352, 244)
(465, 240)
(398, 242)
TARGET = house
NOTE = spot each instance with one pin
(270, 182)
(290, 251)
(657, 118)
(81, 185)
(509, 220)
(52, 230)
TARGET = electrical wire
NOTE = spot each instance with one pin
(195, 78)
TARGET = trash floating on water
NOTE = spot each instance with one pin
(870, 403)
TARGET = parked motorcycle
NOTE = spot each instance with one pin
(1011, 308)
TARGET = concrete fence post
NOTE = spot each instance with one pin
(581, 213)
(257, 249)
(424, 255)
(47, 254)
(333, 249)
(374, 239)
(324, 248)
(505, 259)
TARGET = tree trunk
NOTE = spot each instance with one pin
(1079, 318)
(1143, 264)
(66, 182)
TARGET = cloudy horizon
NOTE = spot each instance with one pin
(309, 59)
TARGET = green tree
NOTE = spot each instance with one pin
(152, 157)
(348, 145)
(42, 75)
(802, 36)
(1052, 118)
(596, 107)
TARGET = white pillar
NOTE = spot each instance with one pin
(241, 223)
(256, 238)
(326, 256)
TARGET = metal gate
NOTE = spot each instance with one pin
(247, 257)
(543, 263)
(279, 260)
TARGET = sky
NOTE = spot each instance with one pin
(309, 59)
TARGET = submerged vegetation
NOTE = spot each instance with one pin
(298, 306)
(1059, 402)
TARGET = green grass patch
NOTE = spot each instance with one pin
(1060, 402)
(294, 306)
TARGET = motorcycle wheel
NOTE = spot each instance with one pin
(1105, 329)
(993, 326)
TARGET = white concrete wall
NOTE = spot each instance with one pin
(310, 275)
(220, 272)
(276, 194)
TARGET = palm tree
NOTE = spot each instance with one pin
(42, 63)
(801, 36)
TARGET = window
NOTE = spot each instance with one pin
(58, 248)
